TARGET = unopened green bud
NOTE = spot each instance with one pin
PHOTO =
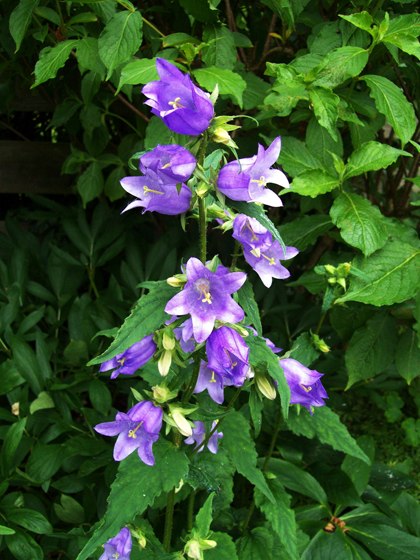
(342, 283)
(177, 281)
(330, 269)
(343, 269)
(265, 385)
(181, 423)
(194, 547)
(162, 394)
(221, 136)
(164, 363)
(168, 342)
(319, 343)
(332, 280)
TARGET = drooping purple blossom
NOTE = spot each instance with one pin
(228, 355)
(267, 265)
(206, 297)
(183, 107)
(251, 234)
(248, 181)
(138, 429)
(131, 359)
(172, 163)
(154, 195)
(212, 381)
(118, 547)
(199, 434)
(305, 385)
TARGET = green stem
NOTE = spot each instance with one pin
(152, 26)
(92, 281)
(207, 438)
(190, 514)
(6, 348)
(376, 7)
(125, 121)
(193, 381)
(318, 328)
(236, 253)
(203, 232)
(168, 520)
(265, 467)
(63, 25)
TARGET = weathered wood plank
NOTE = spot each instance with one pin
(33, 167)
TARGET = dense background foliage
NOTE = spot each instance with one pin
(340, 85)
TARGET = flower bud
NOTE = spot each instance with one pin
(332, 280)
(194, 547)
(15, 409)
(181, 423)
(177, 281)
(319, 343)
(330, 269)
(221, 136)
(168, 342)
(342, 283)
(162, 394)
(164, 363)
(265, 385)
(343, 269)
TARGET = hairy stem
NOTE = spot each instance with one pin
(168, 520)
(265, 467)
(190, 514)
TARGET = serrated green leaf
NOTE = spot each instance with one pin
(392, 103)
(326, 426)
(393, 271)
(255, 91)
(320, 143)
(339, 65)
(303, 350)
(156, 133)
(51, 59)
(285, 95)
(147, 316)
(225, 549)
(249, 305)
(135, 488)
(241, 449)
(229, 82)
(20, 19)
(260, 355)
(90, 183)
(91, 83)
(371, 156)
(256, 545)
(221, 51)
(279, 515)
(313, 183)
(113, 188)
(295, 157)
(305, 231)
(386, 541)
(325, 104)
(120, 39)
(363, 20)
(357, 470)
(407, 358)
(204, 518)
(372, 348)
(88, 56)
(298, 480)
(361, 224)
(139, 72)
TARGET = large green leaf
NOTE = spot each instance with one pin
(241, 448)
(256, 545)
(229, 82)
(24, 547)
(88, 55)
(221, 51)
(392, 103)
(386, 542)
(305, 231)
(339, 65)
(10, 444)
(204, 518)
(295, 157)
(51, 59)
(135, 488)
(255, 91)
(20, 19)
(261, 356)
(120, 39)
(285, 95)
(27, 364)
(145, 318)
(357, 470)
(212, 472)
(372, 348)
(247, 302)
(137, 72)
(10, 377)
(298, 480)
(326, 426)
(325, 104)
(407, 359)
(334, 546)
(280, 515)
(225, 549)
(408, 508)
(90, 183)
(361, 224)
(371, 156)
(393, 273)
(313, 183)
(320, 143)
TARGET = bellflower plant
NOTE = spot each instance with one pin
(155, 195)
(267, 264)
(212, 381)
(183, 107)
(228, 354)
(138, 429)
(132, 359)
(305, 385)
(207, 297)
(119, 547)
(248, 180)
(251, 234)
(172, 164)
(198, 435)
